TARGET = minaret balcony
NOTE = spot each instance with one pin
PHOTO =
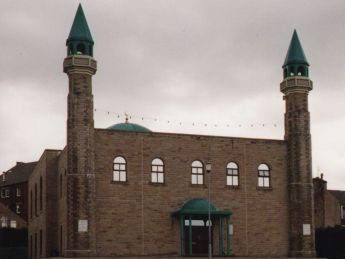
(296, 84)
(81, 63)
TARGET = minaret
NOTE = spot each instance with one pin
(80, 66)
(295, 87)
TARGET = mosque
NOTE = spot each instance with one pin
(128, 191)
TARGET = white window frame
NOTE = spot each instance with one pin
(13, 224)
(264, 176)
(18, 211)
(4, 222)
(18, 192)
(119, 169)
(3, 193)
(232, 174)
(197, 174)
(7, 193)
(157, 171)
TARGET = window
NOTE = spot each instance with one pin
(7, 193)
(35, 246)
(119, 173)
(31, 204)
(4, 177)
(301, 71)
(80, 49)
(232, 174)
(13, 224)
(35, 199)
(157, 171)
(19, 192)
(3, 220)
(41, 237)
(18, 211)
(342, 214)
(60, 189)
(41, 193)
(263, 176)
(197, 172)
(3, 195)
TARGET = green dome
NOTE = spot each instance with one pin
(129, 127)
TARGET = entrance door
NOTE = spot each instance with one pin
(199, 239)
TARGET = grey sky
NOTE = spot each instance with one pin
(202, 62)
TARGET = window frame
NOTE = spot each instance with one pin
(18, 208)
(120, 171)
(13, 223)
(7, 193)
(265, 176)
(230, 174)
(3, 193)
(18, 192)
(195, 172)
(158, 172)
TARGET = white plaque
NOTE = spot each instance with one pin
(82, 225)
(306, 230)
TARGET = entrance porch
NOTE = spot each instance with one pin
(194, 226)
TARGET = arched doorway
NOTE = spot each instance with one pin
(193, 218)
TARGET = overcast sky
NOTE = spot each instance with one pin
(200, 67)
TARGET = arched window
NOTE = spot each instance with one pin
(292, 71)
(157, 171)
(232, 174)
(120, 169)
(285, 73)
(264, 176)
(80, 49)
(301, 71)
(197, 172)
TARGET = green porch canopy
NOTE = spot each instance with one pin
(196, 209)
(199, 207)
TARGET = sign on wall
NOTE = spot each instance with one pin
(82, 225)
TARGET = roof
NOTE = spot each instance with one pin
(339, 195)
(19, 173)
(295, 54)
(80, 30)
(199, 207)
(128, 127)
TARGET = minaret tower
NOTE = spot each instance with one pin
(80, 66)
(295, 87)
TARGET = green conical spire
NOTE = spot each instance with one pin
(79, 39)
(295, 63)
(80, 30)
(295, 54)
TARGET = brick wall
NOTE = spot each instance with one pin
(134, 218)
(42, 223)
(332, 210)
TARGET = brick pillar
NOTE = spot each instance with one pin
(80, 158)
(300, 184)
